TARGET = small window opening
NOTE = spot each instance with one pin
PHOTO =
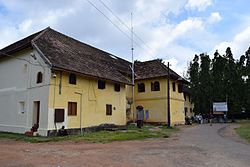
(117, 87)
(155, 86)
(173, 85)
(72, 108)
(101, 84)
(141, 87)
(72, 79)
(39, 78)
(59, 115)
(179, 88)
(108, 109)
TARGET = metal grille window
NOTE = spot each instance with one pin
(72, 108)
(108, 109)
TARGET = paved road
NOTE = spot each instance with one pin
(198, 146)
(217, 146)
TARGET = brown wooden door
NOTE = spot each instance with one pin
(36, 112)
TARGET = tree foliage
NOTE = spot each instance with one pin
(221, 79)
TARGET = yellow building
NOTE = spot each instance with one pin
(151, 92)
(88, 102)
(58, 81)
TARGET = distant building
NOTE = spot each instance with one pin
(151, 92)
(188, 104)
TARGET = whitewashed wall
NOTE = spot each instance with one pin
(17, 87)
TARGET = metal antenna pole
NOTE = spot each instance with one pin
(133, 75)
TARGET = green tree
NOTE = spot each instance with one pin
(232, 83)
(247, 83)
(193, 73)
(205, 84)
(218, 77)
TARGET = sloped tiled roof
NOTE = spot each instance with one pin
(19, 45)
(72, 55)
(67, 53)
(153, 69)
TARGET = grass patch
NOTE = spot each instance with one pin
(33, 139)
(133, 133)
(244, 130)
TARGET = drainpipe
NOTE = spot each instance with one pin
(54, 76)
(168, 87)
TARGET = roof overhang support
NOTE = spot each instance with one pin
(41, 54)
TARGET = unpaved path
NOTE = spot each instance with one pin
(197, 146)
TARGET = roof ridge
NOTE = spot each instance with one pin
(146, 61)
(20, 44)
(40, 34)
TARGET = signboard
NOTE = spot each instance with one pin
(218, 113)
(220, 107)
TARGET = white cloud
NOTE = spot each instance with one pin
(199, 5)
(25, 25)
(190, 25)
(214, 17)
(53, 16)
(149, 12)
(8, 34)
(238, 45)
(168, 39)
(164, 41)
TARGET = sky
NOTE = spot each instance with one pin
(171, 30)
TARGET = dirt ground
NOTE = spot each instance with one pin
(196, 146)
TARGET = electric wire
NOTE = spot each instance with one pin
(124, 33)
(108, 19)
(122, 22)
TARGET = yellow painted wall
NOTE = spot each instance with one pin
(153, 101)
(176, 104)
(156, 101)
(94, 101)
